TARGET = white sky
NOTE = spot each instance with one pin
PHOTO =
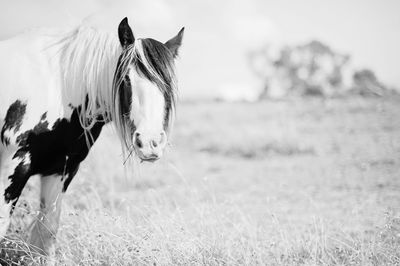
(219, 33)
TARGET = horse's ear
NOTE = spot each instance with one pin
(125, 33)
(174, 44)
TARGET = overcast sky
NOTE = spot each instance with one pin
(219, 33)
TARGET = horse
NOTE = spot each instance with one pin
(58, 90)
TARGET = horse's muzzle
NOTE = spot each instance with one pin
(148, 147)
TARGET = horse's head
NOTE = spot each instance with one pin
(144, 92)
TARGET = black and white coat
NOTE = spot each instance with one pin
(58, 90)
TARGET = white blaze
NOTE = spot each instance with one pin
(148, 105)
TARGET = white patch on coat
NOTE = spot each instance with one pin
(148, 105)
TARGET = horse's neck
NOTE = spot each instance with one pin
(89, 59)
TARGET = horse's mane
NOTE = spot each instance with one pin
(89, 60)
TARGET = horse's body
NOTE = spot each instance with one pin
(58, 89)
(24, 100)
(29, 54)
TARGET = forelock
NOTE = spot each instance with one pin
(155, 62)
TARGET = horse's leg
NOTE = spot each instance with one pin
(14, 173)
(5, 209)
(4, 206)
(44, 231)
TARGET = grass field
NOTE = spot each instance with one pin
(297, 182)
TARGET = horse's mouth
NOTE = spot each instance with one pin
(148, 156)
(150, 159)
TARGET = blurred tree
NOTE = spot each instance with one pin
(367, 84)
(312, 69)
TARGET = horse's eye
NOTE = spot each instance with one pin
(127, 81)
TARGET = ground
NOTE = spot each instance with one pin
(295, 182)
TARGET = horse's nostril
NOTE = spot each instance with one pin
(138, 142)
(154, 143)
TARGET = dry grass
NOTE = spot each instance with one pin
(305, 182)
